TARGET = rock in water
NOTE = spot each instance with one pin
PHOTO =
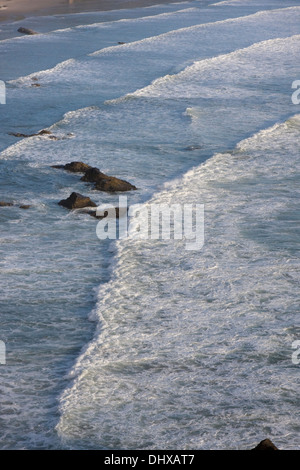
(75, 167)
(26, 31)
(77, 201)
(42, 132)
(106, 183)
(266, 444)
(93, 213)
(92, 175)
(112, 184)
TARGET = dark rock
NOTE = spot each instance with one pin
(18, 134)
(106, 183)
(58, 167)
(74, 167)
(121, 42)
(42, 132)
(266, 444)
(35, 84)
(9, 204)
(53, 137)
(111, 184)
(94, 175)
(5, 204)
(26, 31)
(77, 201)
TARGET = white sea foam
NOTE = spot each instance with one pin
(202, 79)
(67, 85)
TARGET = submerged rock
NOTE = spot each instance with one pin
(193, 147)
(117, 214)
(112, 184)
(92, 175)
(26, 31)
(74, 167)
(101, 181)
(106, 183)
(10, 204)
(44, 132)
(266, 444)
(35, 82)
(77, 201)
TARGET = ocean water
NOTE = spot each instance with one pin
(143, 344)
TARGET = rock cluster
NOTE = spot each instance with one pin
(91, 174)
(101, 181)
(10, 204)
(77, 201)
(42, 132)
(26, 31)
(74, 167)
(106, 183)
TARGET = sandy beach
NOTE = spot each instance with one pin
(19, 9)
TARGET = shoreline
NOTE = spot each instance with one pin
(16, 10)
